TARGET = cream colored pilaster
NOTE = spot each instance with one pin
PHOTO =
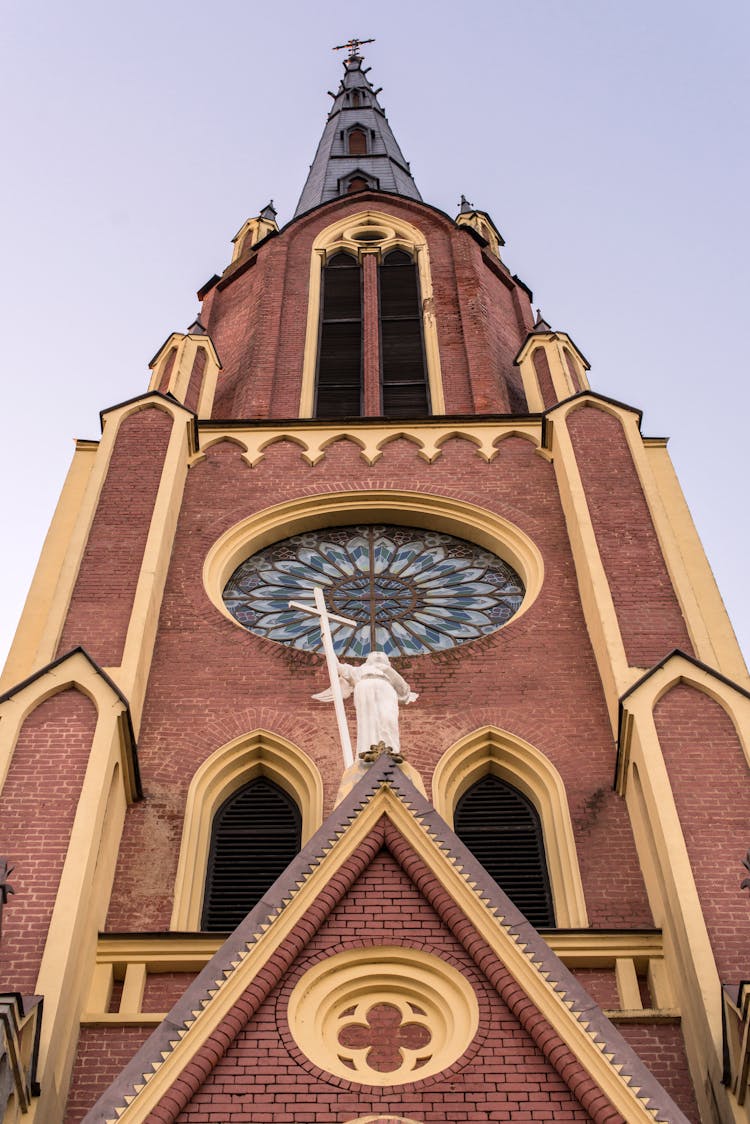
(28, 652)
(69, 957)
(690, 969)
(132, 674)
(596, 598)
(186, 349)
(707, 620)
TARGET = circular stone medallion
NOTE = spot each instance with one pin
(383, 1016)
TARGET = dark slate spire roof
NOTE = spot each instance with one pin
(383, 166)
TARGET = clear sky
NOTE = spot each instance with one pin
(609, 142)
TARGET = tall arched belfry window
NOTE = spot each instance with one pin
(255, 835)
(339, 393)
(502, 829)
(402, 360)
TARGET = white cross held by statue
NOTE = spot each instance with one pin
(332, 663)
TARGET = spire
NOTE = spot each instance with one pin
(357, 149)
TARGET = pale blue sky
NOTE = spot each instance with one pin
(609, 142)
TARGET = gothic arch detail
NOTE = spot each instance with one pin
(260, 753)
(379, 233)
(492, 750)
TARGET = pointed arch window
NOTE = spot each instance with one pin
(502, 829)
(339, 391)
(255, 835)
(391, 380)
(402, 359)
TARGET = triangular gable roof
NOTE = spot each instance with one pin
(600, 1068)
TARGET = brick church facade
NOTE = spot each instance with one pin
(529, 910)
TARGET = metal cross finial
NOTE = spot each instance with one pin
(352, 46)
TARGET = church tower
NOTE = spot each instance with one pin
(493, 872)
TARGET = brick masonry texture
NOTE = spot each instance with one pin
(503, 1076)
(536, 677)
(103, 596)
(102, 1053)
(40, 800)
(258, 320)
(648, 613)
(663, 1050)
(708, 771)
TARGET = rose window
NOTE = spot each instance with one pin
(409, 591)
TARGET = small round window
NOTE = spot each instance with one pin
(410, 591)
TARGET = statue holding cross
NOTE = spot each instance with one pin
(377, 687)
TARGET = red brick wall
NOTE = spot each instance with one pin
(103, 596)
(544, 377)
(163, 989)
(647, 609)
(40, 798)
(709, 777)
(503, 1075)
(102, 1053)
(536, 677)
(662, 1049)
(258, 321)
(196, 380)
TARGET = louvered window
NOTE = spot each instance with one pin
(350, 383)
(402, 350)
(340, 355)
(501, 828)
(255, 835)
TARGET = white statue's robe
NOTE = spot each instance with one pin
(378, 689)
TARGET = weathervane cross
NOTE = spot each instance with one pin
(352, 46)
(332, 663)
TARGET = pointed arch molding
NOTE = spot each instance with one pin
(355, 235)
(260, 753)
(340, 509)
(492, 750)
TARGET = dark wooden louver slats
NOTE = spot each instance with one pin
(502, 830)
(340, 354)
(402, 346)
(256, 833)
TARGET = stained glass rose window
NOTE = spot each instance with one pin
(410, 591)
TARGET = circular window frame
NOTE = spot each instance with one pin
(364, 978)
(407, 509)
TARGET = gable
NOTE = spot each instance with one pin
(500, 1069)
(334, 884)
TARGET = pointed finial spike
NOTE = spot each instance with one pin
(269, 211)
(196, 328)
(465, 205)
(541, 325)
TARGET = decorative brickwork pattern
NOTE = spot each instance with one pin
(40, 800)
(103, 596)
(647, 609)
(262, 1078)
(708, 771)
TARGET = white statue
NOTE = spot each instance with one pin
(378, 689)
